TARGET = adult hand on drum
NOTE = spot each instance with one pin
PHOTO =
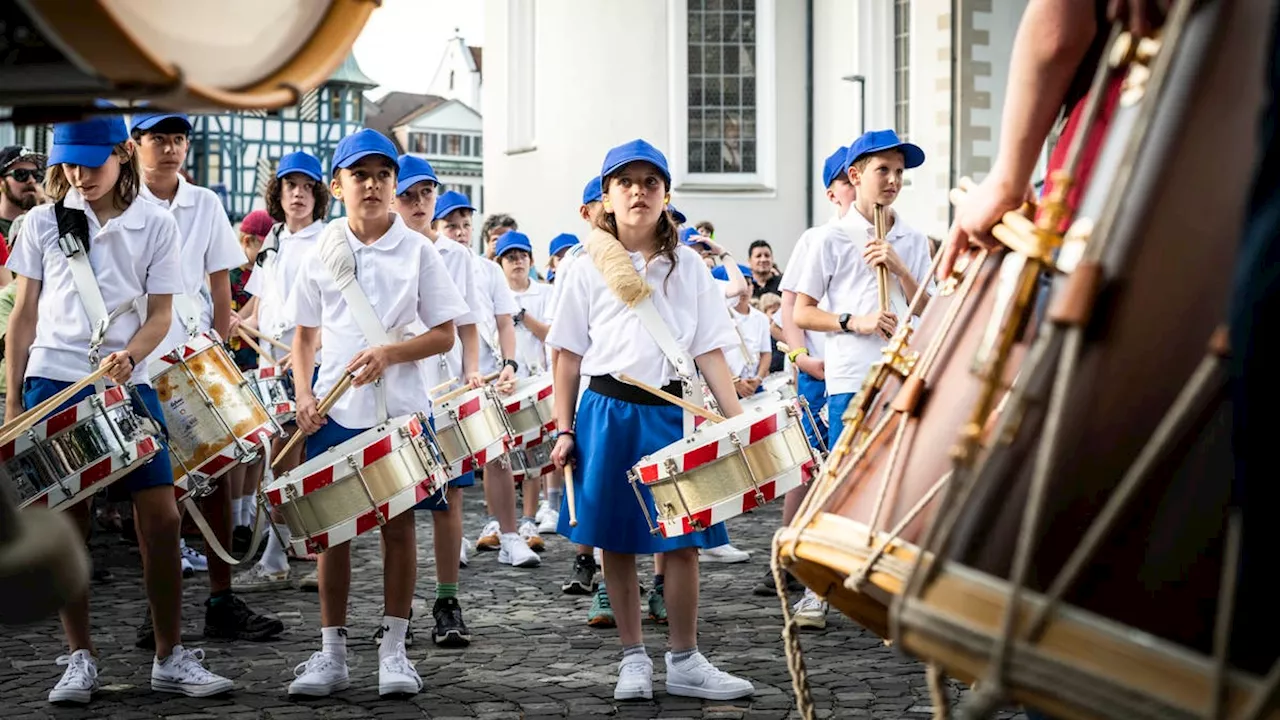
(368, 365)
(1141, 16)
(876, 323)
(121, 367)
(982, 209)
(308, 415)
(562, 453)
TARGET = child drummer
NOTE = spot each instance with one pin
(134, 254)
(208, 249)
(619, 424)
(405, 282)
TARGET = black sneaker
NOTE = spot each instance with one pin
(146, 637)
(450, 630)
(240, 537)
(408, 632)
(765, 587)
(232, 619)
(583, 579)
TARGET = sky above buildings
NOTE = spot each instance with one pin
(404, 40)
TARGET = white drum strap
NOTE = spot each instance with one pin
(691, 384)
(74, 247)
(187, 311)
(271, 287)
(341, 262)
(751, 364)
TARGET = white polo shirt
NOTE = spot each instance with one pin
(207, 244)
(834, 269)
(530, 351)
(816, 342)
(457, 262)
(567, 259)
(593, 323)
(273, 282)
(405, 281)
(135, 254)
(493, 298)
(754, 328)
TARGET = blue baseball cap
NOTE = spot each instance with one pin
(363, 143)
(720, 273)
(414, 170)
(146, 121)
(875, 141)
(513, 240)
(592, 192)
(677, 215)
(300, 162)
(635, 151)
(834, 166)
(88, 142)
(689, 236)
(562, 242)
(450, 201)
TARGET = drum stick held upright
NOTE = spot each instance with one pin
(323, 409)
(568, 494)
(882, 271)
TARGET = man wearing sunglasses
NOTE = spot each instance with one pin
(21, 174)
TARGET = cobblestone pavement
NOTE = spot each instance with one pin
(533, 655)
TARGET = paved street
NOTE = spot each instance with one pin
(533, 654)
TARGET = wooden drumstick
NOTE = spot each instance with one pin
(698, 410)
(23, 422)
(784, 348)
(263, 336)
(882, 270)
(247, 340)
(451, 395)
(568, 494)
(323, 409)
(442, 386)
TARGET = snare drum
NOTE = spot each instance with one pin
(213, 417)
(78, 451)
(725, 469)
(359, 484)
(274, 389)
(533, 461)
(182, 55)
(530, 411)
(471, 429)
(1135, 629)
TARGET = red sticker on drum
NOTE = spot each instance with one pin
(648, 474)
(314, 481)
(763, 429)
(749, 497)
(267, 372)
(700, 456)
(545, 393)
(469, 408)
(376, 451)
(95, 473)
(703, 519)
(61, 421)
(368, 521)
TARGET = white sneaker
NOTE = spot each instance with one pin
(398, 676)
(723, 554)
(310, 581)
(462, 554)
(198, 562)
(528, 531)
(260, 579)
(635, 678)
(550, 523)
(696, 677)
(79, 681)
(516, 552)
(544, 507)
(183, 673)
(488, 539)
(319, 676)
(810, 611)
(187, 570)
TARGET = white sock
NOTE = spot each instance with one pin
(393, 632)
(246, 511)
(274, 559)
(334, 642)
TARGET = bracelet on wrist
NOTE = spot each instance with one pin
(795, 354)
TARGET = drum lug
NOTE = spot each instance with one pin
(368, 494)
(290, 492)
(751, 474)
(634, 478)
(673, 472)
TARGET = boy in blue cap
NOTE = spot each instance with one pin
(560, 245)
(406, 285)
(209, 249)
(841, 268)
(50, 344)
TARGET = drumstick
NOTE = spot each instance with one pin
(568, 494)
(698, 410)
(451, 395)
(263, 336)
(323, 409)
(784, 348)
(244, 338)
(882, 270)
(23, 422)
(442, 386)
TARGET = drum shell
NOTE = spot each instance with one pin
(473, 436)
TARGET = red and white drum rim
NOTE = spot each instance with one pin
(750, 428)
(494, 451)
(347, 530)
(226, 458)
(732, 507)
(112, 397)
(53, 496)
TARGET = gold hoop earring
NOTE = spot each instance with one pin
(608, 206)
(667, 201)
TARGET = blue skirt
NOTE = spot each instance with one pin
(612, 435)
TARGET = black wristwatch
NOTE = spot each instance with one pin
(515, 366)
(518, 317)
(844, 322)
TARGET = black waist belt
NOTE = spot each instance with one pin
(611, 387)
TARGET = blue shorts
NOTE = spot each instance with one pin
(814, 392)
(836, 405)
(157, 472)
